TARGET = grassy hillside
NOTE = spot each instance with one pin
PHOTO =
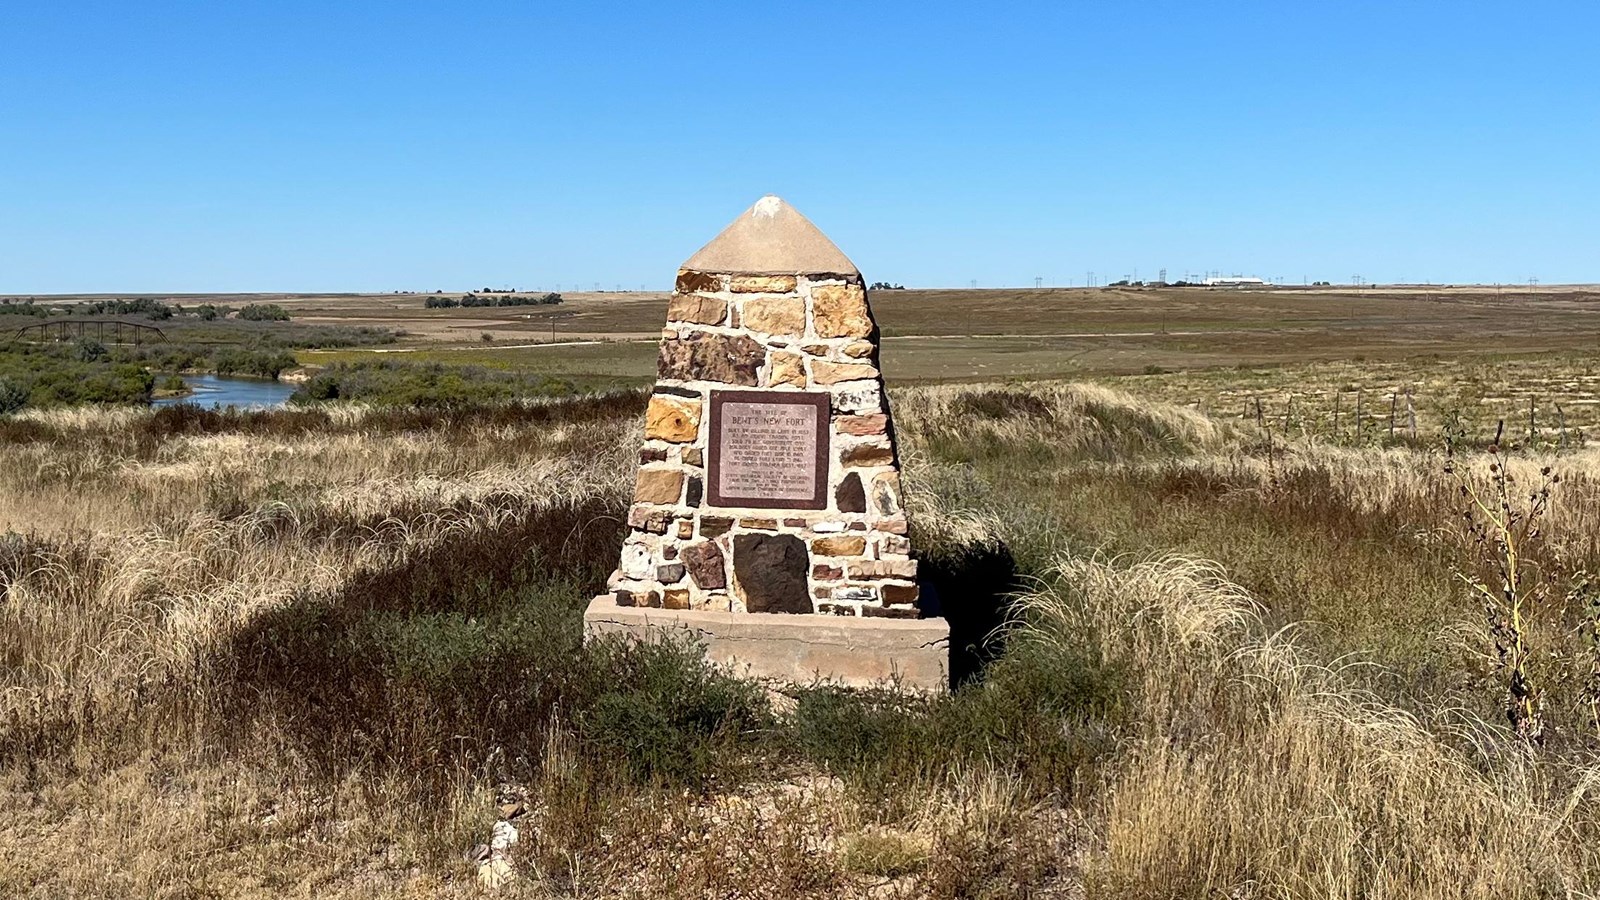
(315, 652)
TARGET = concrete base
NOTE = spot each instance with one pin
(857, 652)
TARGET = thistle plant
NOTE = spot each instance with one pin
(1501, 525)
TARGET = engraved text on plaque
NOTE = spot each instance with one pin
(769, 449)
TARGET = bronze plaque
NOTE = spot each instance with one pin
(769, 449)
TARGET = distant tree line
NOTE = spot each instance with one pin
(885, 286)
(144, 306)
(22, 308)
(477, 299)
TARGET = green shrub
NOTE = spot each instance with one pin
(264, 312)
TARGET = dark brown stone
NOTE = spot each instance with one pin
(670, 573)
(690, 281)
(695, 492)
(705, 565)
(652, 454)
(851, 497)
(670, 551)
(770, 572)
(704, 356)
(900, 593)
(625, 598)
(794, 523)
(827, 573)
(712, 526)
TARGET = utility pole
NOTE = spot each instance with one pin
(1038, 282)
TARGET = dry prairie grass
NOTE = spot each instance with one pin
(297, 654)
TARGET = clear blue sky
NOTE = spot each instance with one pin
(292, 145)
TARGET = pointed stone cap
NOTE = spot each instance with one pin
(771, 238)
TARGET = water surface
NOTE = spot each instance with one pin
(220, 391)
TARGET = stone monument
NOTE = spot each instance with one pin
(767, 514)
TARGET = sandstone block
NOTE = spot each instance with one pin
(769, 573)
(704, 356)
(784, 316)
(862, 425)
(696, 308)
(895, 525)
(867, 455)
(685, 529)
(759, 524)
(673, 419)
(677, 598)
(670, 573)
(855, 593)
(786, 369)
(881, 568)
(862, 399)
(704, 561)
(712, 526)
(825, 372)
(886, 494)
(890, 612)
(690, 281)
(840, 310)
(761, 284)
(660, 486)
(893, 544)
(858, 349)
(693, 456)
(841, 545)
(638, 563)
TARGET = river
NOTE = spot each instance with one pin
(220, 391)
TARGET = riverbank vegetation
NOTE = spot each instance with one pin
(318, 651)
(389, 383)
(80, 370)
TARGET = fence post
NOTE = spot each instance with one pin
(1394, 398)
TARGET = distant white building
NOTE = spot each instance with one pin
(1235, 281)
